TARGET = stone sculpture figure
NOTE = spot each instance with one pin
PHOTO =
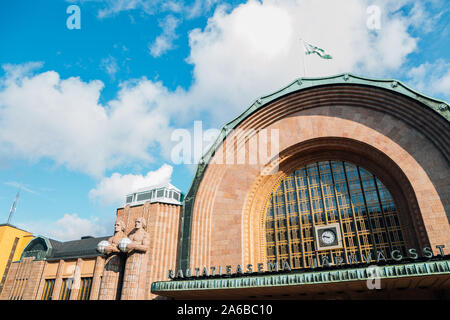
(114, 265)
(134, 280)
(119, 233)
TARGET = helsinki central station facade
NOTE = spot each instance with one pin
(354, 205)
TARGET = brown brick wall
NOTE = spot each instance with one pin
(26, 278)
(163, 228)
(96, 278)
(59, 280)
(34, 278)
(8, 286)
(23, 279)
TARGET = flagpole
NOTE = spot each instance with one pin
(304, 64)
(308, 49)
(304, 58)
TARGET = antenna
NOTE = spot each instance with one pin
(13, 207)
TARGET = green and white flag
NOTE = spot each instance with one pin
(309, 48)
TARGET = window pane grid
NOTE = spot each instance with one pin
(66, 289)
(331, 192)
(48, 289)
(85, 288)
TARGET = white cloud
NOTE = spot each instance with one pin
(112, 7)
(164, 42)
(172, 6)
(431, 78)
(69, 227)
(112, 190)
(420, 18)
(199, 7)
(43, 116)
(255, 49)
(14, 72)
(110, 66)
(241, 54)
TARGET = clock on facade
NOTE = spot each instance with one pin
(328, 236)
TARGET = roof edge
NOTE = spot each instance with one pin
(439, 106)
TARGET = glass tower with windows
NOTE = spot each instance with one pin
(165, 193)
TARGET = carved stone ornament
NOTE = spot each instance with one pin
(110, 246)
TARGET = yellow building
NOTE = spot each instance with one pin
(12, 242)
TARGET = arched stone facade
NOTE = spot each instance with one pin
(398, 137)
(322, 149)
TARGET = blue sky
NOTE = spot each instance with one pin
(87, 114)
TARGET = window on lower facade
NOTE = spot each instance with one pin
(66, 289)
(85, 288)
(326, 193)
(48, 289)
(18, 288)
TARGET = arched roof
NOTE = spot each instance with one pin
(440, 107)
(43, 248)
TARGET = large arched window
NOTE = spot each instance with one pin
(331, 193)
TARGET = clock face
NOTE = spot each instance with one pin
(328, 237)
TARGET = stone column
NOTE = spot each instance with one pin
(134, 279)
(96, 278)
(112, 276)
(76, 280)
(41, 286)
(58, 280)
